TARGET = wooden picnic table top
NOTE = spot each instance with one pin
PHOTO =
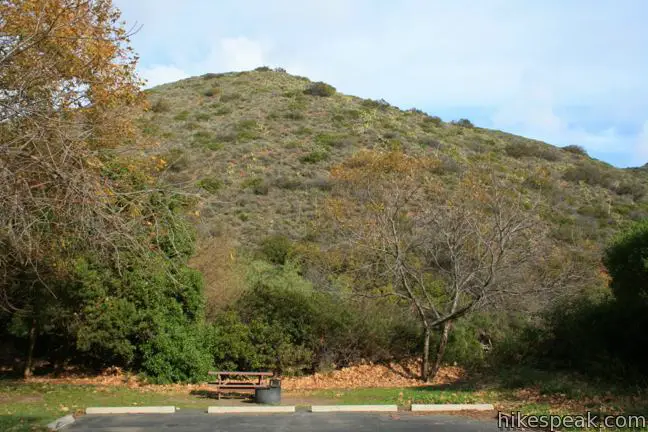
(241, 373)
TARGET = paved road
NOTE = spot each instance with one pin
(186, 421)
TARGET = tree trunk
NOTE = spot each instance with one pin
(27, 372)
(441, 348)
(425, 363)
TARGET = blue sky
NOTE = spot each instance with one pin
(566, 72)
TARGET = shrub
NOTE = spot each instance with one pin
(280, 70)
(209, 76)
(210, 184)
(429, 142)
(315, 156)
(290, 183)
(416, 111)
(223, 111)
(230, 97)
(381, 104)
(334, 140)
(294, 115)
(634, 189)
(160, 106)
(182, 115)
(258, 185)
(211, 92)
(202, 116)
(463, 123)
(176, 159)
(575, 149)
(320, 89)
(588, 173)
(431, 121)
(522, 149)
(263, 69)
(626, 260)
(277, 249)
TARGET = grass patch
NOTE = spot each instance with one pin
(29, 407)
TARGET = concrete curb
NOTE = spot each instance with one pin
(452, 407)
(354, 408)
(249, 409)
(61, 423)
(132, 410)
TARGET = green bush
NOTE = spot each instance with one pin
(277, 249)
(431, 122)
(210, 92)
(588, 173)
(521, 149)
(210, 184)
(381, 104)
(315, 156)
(627, 261)
(320, 89)
(463, 123)
(263, 69)
(575, 149)
(160, 106)
(230, 97)
(182, 115)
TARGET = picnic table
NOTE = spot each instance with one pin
(236, 380)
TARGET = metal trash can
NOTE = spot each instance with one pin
(269, 395)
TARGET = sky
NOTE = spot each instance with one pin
(562, 71)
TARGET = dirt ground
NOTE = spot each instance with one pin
(360, 376)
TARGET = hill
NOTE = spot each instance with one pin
(258, 146)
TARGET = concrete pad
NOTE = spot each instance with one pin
(61, 423)
(452, 407)
(250, 409)
(132, 410)
(354, 408)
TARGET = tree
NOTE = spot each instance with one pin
(627, 262)
(67, 87)
(446, 250)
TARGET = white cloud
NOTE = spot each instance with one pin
(241, 53)
(641, 149)
(160, 74)
(587, 84)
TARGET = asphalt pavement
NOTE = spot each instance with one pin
(195, 421)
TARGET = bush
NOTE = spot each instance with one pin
(210, 184)
(211, 92)
(263, 69)
(280, 70)
(257, 184)
(277, 249)
(182, 115)
(626, 260)
(320, 89)
(634, 189)
(381, 104)
(230, 97)
(160, 106)
(463, 123)
(431, 122)
(209, 76)
(520, 150)
(575, 149)
(588, 173)
(315, 156)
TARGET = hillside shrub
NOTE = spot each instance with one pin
(263, 69)
(575, 149)
(320, 89)
(276, 249)
(381, 104)
(280, 70)
(210, 184)
(431, 122)
(229, 97)
(315, 156)
(520, 150)
(210, 92)
(588, 173)
(463, 123)
(182, 115)
(631, 188)
(161, 106)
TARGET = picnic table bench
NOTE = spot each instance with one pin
(235, 380)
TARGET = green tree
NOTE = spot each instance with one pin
(626, 260)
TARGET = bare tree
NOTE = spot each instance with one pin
(446, 250)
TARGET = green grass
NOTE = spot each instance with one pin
(27, 407)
